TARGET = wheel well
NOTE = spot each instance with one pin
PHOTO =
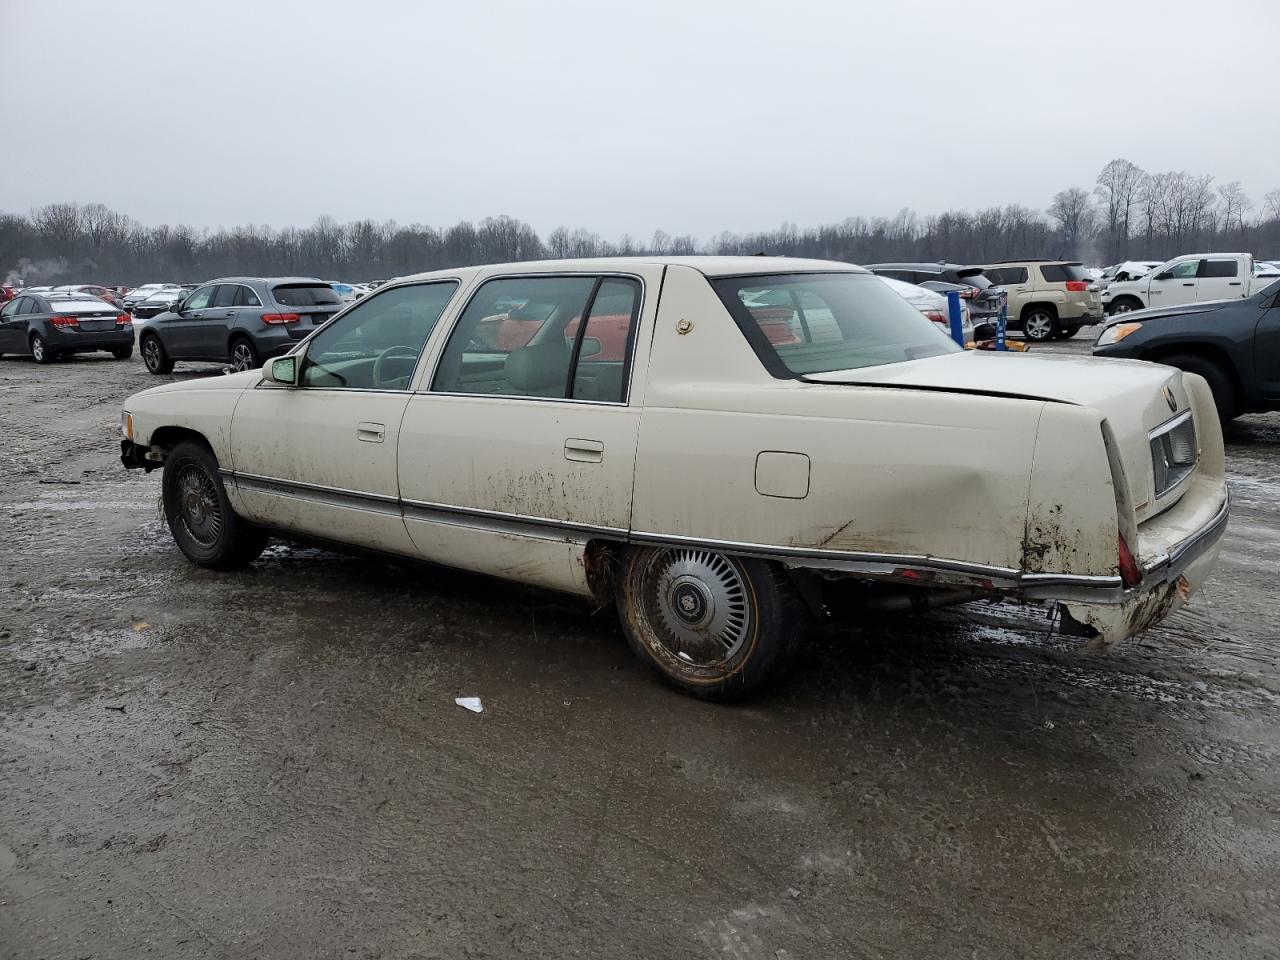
(166, 438)
(1048, 307)
(1127, 298)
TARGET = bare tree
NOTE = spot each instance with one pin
(1118, 188)
(1235, 204)
(1271, 205)
(1074, 213)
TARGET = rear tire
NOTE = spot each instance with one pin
(244, 355)
(40, 351)
(155, 356)
(1220, 382)
(123, 353)
(207, 530)
(716, 627)
(1039, 324)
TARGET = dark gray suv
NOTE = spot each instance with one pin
(238, 320)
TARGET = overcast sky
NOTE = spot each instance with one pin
(688, 116)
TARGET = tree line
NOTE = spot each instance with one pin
(1127, 214)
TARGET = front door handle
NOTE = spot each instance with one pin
(370, 432)
(583, 451)
(1192, 284)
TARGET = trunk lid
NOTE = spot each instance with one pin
(1129, 393)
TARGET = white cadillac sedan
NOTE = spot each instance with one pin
(729, 447)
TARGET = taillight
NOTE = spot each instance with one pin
(122, 319)
(937, 316)
(274, 318)
(64, 321)
(1129, 572)
(970, 293)
(1077, 286)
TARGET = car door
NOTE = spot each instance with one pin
(219, 318)
(183, 330)
(13, 326)
(1179, 286)
(1266, 345)
(521, 447)
(320, 458)
(1018, 284)
(1220, 278)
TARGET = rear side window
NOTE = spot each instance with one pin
(524, 337)
(305, 295)
(226, 295)
(1062, 272)
(245, 297)
(818, 323)
(1219, 268)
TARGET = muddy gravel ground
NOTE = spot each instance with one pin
(271, 763)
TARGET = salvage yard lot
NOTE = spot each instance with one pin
(272, 762)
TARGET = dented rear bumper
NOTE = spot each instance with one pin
(1169, 578)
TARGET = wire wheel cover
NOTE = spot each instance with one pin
(198, 505)
(698, 604)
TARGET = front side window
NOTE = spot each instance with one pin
(524, 337)
(1186, 270)
(376, 344)
(800, 324)
(12, 308)
(199, 300)
(1002, 276)
(1220, 268)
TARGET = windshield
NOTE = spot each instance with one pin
(819, 322)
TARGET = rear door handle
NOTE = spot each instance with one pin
(1233, 283)
(1192, 284)
(583, 451)
(370, 432)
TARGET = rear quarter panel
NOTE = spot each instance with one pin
(898, 471)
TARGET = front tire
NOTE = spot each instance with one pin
(1039, 324)
(207, 530)
(714, 626)
(1123, 305)
(155, 356)
(40, 351)
(1220, 383)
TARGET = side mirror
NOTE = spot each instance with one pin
(176, 306)
(281, 370)
(590, 348)
(1167, 275)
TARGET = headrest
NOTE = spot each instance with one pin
(538, 366)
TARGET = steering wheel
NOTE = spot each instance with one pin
(386, 355)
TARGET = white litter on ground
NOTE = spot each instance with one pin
(471, 703)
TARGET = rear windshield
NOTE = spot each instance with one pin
(80, 306)
(306, 295)
(979, 280)
(820, 322)
(1062, 272)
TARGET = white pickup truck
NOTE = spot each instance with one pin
(1186, 279)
